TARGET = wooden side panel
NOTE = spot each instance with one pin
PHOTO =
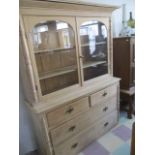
(41, 134)
(121, 61)
(132, 62)
(25, 74)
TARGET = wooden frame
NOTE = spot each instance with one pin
(79, 21)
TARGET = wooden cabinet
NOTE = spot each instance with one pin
(124, 67)
(66, 69)
(124, 61)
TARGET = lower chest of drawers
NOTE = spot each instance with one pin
(76, 124)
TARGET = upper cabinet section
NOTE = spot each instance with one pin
(93, 40)
(67, 47)
(55, 55)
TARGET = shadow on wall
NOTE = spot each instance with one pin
(27, 141)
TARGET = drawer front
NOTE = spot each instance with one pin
(82, 122)
(107, 123)
(77, 143)
(103, 95)
(66, 112)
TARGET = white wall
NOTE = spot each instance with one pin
(27, 139)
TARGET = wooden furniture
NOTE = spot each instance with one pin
(124, 67)
(66, 68)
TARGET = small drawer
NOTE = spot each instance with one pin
(105, 108)
(107, 123)
(78, 124)
(103, 95)
(66, 112)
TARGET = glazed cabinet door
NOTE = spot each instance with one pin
(93, 46)
(53, 50)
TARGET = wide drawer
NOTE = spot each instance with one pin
(76, 125)
(66, 112)
(103, 95)
(77, 143)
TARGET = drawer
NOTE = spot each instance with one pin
(77, 143)
(104, 108)
(107, 123)
(103, 95)
(70, 128)
(66, 112)
(76, 125)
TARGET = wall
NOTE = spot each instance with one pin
(26, 135)
(27, 140)
(117, 14)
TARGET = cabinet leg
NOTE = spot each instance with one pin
(130, 107)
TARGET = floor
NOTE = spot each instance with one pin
(115, 142)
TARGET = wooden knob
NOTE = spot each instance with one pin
(106, 124)
(70, 110)
(74, 145)
(105, 109)
(71, 129)
(104, 94)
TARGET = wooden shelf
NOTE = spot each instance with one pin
(53, 50)
(67, 70)
(97, 43)
(57, 72)
(92, 63)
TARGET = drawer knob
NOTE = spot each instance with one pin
(106, 124)
(71, 129)
(70, 110)
(74, 145)
(104, 94)
(105, 109)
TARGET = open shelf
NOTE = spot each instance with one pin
(57, 72)
(53, 50)
(97, 43)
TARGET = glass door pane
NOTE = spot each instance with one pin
(55, 55)
(93, 36)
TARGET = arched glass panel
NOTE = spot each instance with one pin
(93, 36)
(55, 55)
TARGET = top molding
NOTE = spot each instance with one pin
(79, 2)
(59, 3)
